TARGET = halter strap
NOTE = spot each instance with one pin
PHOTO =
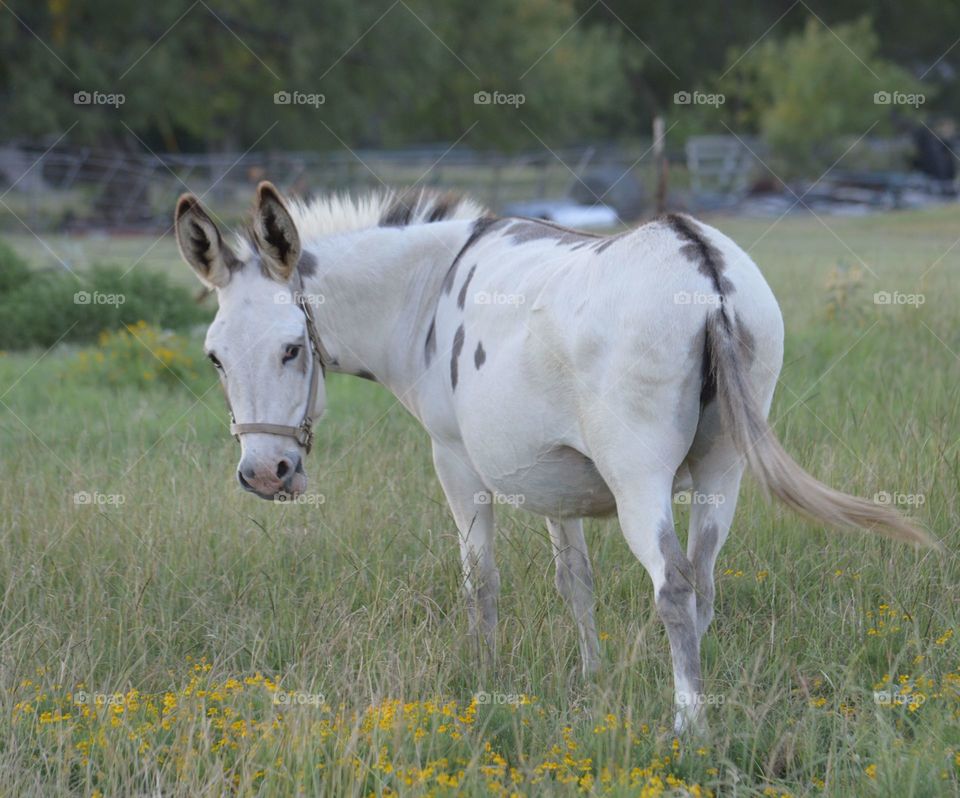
(302, 433)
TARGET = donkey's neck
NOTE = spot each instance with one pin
(379, 290)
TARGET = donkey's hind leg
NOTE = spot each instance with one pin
(574, 579)
(716, 468)
(639, 465)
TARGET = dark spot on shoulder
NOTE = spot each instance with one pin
(461, 300)
(479, 357)
(458, 338)
(363, 374)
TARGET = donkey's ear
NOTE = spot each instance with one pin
(201, 244)
(275, 232)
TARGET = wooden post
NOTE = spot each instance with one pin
(660, 162)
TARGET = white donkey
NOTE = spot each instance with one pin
(571, 373)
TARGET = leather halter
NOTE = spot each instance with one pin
(303, 432)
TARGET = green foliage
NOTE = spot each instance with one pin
(13, 269)
(405, 73)
(812, 93)
(41, 308)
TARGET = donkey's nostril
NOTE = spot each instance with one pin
(283, 468)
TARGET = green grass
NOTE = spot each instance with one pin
(189, 583)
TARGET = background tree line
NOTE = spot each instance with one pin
(204, 76)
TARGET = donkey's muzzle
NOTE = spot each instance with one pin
(282, 479)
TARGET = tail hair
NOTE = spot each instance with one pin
(777, 472)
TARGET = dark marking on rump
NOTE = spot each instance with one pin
(455, 354)
(307, 266)
(479, 357)
(363, 374)
(697, 249)
(430, 345)
(461, 300)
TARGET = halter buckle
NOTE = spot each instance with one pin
(304, 435)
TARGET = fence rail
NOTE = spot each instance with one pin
(85, 189)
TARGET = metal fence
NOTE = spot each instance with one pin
(89, 189)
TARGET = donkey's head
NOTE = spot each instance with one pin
(260, 340)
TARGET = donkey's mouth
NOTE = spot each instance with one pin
(292, 487)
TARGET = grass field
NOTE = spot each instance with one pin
(177, 637)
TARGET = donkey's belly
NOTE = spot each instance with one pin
(561, 483)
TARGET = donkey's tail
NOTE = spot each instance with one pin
(776, 470)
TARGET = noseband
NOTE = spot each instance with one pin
(303, 433)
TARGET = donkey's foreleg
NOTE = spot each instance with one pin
(574, 581)
(472, 508)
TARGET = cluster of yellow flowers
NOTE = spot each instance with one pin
(433, 745)
(139, 354)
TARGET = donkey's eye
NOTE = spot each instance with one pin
(213, 359)
(291, 352)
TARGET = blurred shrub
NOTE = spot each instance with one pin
(811, 95)
(845, 294)
(139, 355)
(13, 268)
(38, 308)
